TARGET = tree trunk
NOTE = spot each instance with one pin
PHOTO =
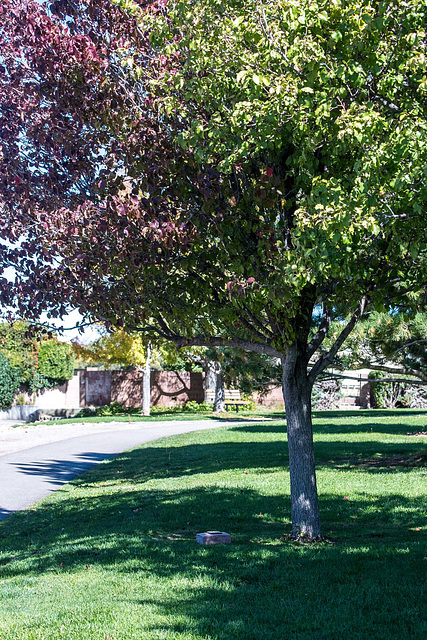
(219, 404)
(146, 384)
(210, 377)
(214, 380)
(297, 396)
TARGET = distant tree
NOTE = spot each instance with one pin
(392, 343)
(42, 362)
(225, 367)
(20, 346)
(55, 361)
(9, 382)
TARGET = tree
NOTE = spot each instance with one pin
(124, 350)
(207, 360)
(221, 174)
(55, 361)
(20, 348)
(9, 382)
(39, 360)
(247, 371)
(392, 343)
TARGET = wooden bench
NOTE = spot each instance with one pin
(232, 398)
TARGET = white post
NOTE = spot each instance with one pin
(146, 384)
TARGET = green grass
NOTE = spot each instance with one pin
(113, 555)
(163, 416)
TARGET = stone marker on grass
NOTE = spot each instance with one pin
(213, 537)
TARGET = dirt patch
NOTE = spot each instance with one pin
(415, 460)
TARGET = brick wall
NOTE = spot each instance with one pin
(168, 388)
(126, 387)
(273, 399)
(95, 388)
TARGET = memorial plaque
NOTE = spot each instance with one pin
(213, 537)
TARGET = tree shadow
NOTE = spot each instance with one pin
(4, 513)
(260, 586)
(402, 428)
(59, 472)
(131, 525)
(371, 413)
(258, 457)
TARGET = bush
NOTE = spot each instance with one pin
(112, 409)
(198, 407)
(9, 382)
(252, 405)
(86, 412)
(326, 394)
(415, 397)
(392, 394)
(55, 361)
(39, 381)
(20, 348)
(160, 409)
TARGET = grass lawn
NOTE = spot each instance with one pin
(112, 556)
(164, 416)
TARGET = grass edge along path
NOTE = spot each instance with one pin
(245, 414)
(113, 554)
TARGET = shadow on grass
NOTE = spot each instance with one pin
(260, 457)
(125, 524)
(122, 525)
(402, 428)
(259, 587)
(371, 413)
(142, 465)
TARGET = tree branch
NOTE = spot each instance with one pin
(398, 370)
(203, 341)
(327, 359)
(321, 334)
(261, 327)
(411, 344)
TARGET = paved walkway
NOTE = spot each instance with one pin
(10, 423)
(29, 473)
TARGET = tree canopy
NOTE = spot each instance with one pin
(218, 174)
(116, 349)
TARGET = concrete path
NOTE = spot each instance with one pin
(10, 423)
(29, 474)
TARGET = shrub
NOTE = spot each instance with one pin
(39, 381)
(387, 395)
(197, 407)
(56, 361)
(86, 412)
(112, 409)
(415, 397)
(20, 348)
(326, 394)
(9, 382)
(252, 405)
(160, 409)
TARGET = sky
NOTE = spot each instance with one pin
(69, 322)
